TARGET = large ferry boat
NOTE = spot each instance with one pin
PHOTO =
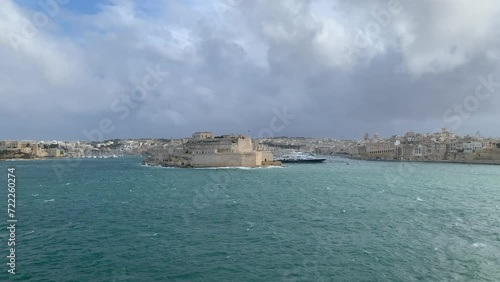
(299, 157)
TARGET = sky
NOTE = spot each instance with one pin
(92, 70)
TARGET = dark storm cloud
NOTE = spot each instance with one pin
(231, 67)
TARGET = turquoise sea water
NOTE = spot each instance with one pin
(115, 220)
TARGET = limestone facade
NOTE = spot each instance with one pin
(206, 150)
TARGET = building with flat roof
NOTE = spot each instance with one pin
(204, 149)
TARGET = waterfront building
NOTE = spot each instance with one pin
(407, 152)
(455, 147)
(419, 151)
(471, 147)
(410, 136)
(204, 149)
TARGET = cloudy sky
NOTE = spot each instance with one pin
(75, 69)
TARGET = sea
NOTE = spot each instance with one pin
(342, 220)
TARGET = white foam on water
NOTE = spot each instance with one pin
(51, 200)
(147, 235)
(158, 166)
(479, 245)
(418, 199)
(239, 167)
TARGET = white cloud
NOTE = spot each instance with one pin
(231, 68)
(439, 36)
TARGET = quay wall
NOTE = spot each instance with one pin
(224, 160)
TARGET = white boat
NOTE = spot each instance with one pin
(299, 157)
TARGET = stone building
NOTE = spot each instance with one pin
(206, 150)
(472, 147)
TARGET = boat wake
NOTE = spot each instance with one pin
(479, 245)
(157, 166)
(239, 167)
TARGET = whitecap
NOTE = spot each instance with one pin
(34, 195)
(239, 167)
(479, 245)
(51, 200)
(418, 199)
(147, 235)
(157, 166)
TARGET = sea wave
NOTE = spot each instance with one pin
(158, 166)
(240, 167)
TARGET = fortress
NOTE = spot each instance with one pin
(206, 150)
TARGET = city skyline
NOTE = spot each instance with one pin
(127, 69)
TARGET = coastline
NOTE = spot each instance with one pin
(484, 162)
(62, 158)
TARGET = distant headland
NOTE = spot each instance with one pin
(443, 146)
